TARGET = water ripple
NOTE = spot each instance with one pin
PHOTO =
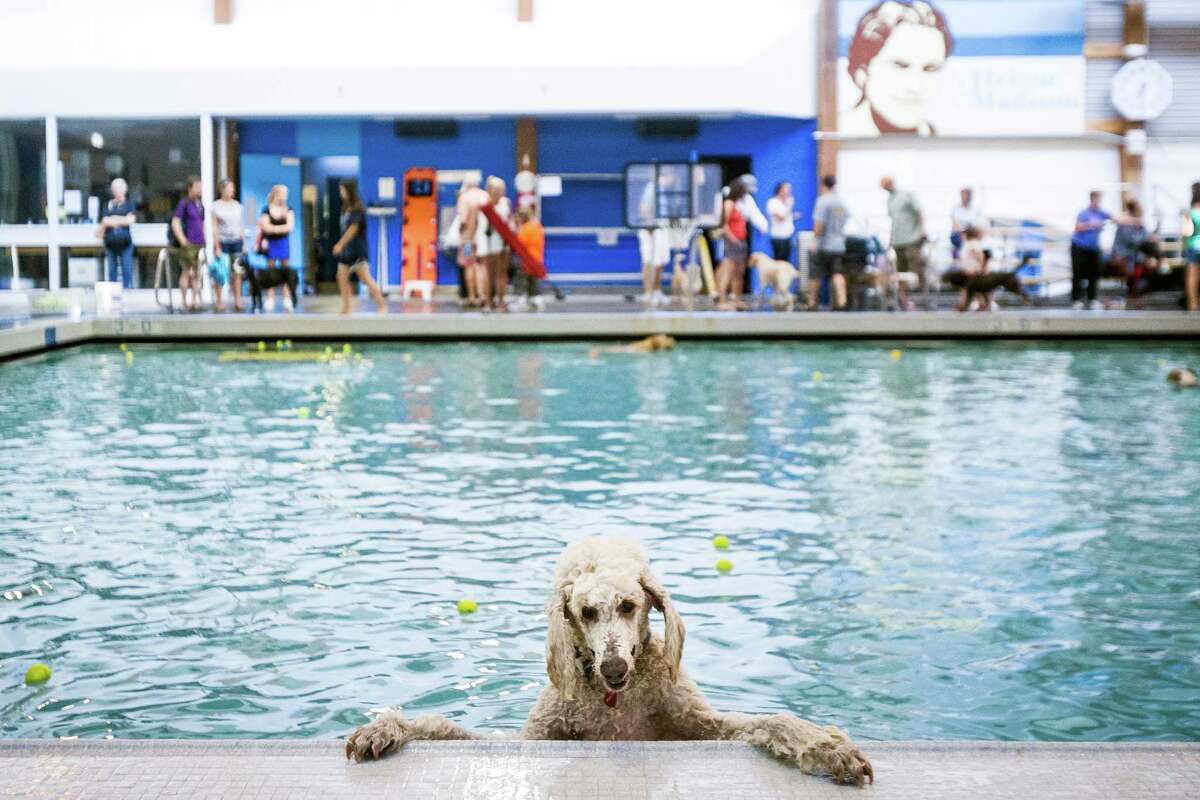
(977, 541)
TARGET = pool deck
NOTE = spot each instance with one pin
(580, 320)
(566, 770)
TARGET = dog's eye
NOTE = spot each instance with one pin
(590, 613)
(626, 607)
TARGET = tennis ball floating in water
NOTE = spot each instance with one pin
(724, 565)
(37, 675)
(818, 376)
(467, 606)
(895, 354)
(407, 357)
(302, 412)
(721, 541)
(262, 346)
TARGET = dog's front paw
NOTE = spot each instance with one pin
(377, 738)
(843, 761)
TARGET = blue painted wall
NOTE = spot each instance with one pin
(780, 149)
(487, 145)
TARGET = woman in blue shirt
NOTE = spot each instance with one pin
(114, 230)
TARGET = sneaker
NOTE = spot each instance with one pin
(539, 303)
(1077, 305)
(659, 299)
(1094, 305)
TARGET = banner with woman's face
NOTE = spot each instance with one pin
(960, 67)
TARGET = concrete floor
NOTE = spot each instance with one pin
(26, 336)
(596, 771)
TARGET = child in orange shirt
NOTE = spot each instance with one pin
(533, 236)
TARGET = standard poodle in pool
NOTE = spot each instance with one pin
(613, 679)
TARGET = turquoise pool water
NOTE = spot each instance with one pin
(993, 541)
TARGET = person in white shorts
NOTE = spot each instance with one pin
(656, 252)
(492, 253)
(654, 247)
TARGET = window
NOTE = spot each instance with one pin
(33, 265)
(154, 156)
(22, 171)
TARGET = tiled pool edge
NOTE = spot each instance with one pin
(42, 335)
(515, 769)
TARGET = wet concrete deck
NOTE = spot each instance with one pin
(566, 770)
(28, 336)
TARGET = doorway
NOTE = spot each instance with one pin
(731, 166)
(322, 214)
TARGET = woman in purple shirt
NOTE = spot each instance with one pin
(187, 234)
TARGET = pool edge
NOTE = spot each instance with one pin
(45, 335)
(520, 769)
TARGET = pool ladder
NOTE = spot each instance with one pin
(162, 278)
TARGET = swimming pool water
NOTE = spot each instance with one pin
(993, 541)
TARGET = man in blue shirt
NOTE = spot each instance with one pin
(1085, 253)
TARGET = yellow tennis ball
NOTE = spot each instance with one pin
(262, 346)
(467, 606)
(818, 376)
(328, 351)
(407, 357)
(724, 565)
(37, 675)
(279, 344)
(895, 354)
(302, 412)
(721, 541)
(128, 356)
(358, 356)
(125, 347)
(346, 348)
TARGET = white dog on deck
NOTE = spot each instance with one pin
(778, 275)
(612, 679)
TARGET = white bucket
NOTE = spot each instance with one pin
(108, 298)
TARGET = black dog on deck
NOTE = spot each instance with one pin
(984, 284)
(269, 278)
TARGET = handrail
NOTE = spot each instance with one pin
(163, 268)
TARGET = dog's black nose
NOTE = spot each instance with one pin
(613, 669)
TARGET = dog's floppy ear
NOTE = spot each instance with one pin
(560, 650)
(674, 623)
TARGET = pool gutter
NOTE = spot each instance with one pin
(518, 770)
(41, 335)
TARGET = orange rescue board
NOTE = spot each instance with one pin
(529, 264)
(418, 231)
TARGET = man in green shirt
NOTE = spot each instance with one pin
(908, 234)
